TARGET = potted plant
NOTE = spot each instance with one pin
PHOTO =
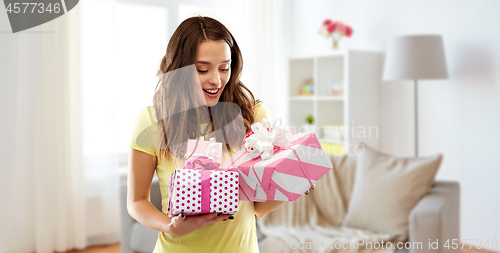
(309, 127)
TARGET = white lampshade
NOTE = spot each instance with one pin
(415, 57)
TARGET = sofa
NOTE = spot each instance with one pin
(435, 217)
(319, 219)
(136, 238)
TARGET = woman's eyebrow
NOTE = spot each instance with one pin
(206, 62)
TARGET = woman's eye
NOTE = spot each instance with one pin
(225, 70)
(202, 71)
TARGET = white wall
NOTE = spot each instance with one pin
(459, 117)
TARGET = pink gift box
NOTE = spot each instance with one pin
(286, 175)
(211, 149)
(201, 187)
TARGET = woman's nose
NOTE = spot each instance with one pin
(215, 78)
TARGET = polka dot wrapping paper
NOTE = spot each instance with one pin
(195, 192)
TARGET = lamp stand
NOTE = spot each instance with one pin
(416, 118)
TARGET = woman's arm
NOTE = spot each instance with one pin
(140, 174)
(263, 208)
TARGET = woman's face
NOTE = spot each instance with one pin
(213, 65)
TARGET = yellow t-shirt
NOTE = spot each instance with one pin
(238, 235)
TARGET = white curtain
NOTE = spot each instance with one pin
(267, 43)
(42, 190)
(46, 202)
(60, 122)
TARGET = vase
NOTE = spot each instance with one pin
(335, 44)
(308, 128)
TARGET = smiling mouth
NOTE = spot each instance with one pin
(211, 91)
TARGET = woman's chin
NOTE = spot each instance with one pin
(212, 101)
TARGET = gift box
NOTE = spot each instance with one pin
(202, 187)
(276, 164)
(197, 148)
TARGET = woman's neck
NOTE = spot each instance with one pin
(206, 116)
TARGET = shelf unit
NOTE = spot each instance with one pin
(342, 119)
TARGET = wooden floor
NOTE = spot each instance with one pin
(115, 248)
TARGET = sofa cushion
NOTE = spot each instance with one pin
(326, 205)
(143, 239)
(344, 169)
(386, 189)
(333, 191)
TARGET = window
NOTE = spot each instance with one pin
(122, 46)
(123, 43)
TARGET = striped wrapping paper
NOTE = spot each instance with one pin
(286, 175)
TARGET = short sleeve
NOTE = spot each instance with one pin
(144, 131)
(261, 112)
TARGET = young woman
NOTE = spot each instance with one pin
(200, 71)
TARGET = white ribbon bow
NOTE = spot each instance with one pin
(210, 150)
(262, 142)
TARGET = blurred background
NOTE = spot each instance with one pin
(70, 90)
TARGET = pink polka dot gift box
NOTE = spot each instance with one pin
(202, 187)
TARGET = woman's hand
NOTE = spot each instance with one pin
(312, 188)
(187, 224)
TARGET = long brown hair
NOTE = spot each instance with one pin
(174, 103)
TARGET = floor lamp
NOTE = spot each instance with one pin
(415, 57)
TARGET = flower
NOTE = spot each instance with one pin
(329, 28)
(340, 29)
(332, 27)
(348, 31)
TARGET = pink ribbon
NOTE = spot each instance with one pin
(276, 149)
(300, 163)
(202, 163)
(205, 165)
(205, 188)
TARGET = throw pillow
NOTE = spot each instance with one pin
(386, 189)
